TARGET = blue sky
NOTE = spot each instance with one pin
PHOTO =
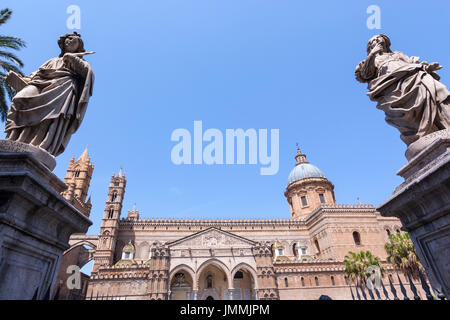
(284, 65)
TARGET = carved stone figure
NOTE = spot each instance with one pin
(408, 91)
(50, 103)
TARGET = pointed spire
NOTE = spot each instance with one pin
(88, 200)
(134, 208)
(120, 172)
(85, 155)
(300, 157)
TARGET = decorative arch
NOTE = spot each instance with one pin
(218, 264)
(248, 268)
(189, 270)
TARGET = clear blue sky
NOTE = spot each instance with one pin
(284, 65)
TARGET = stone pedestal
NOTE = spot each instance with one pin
(422, 203)
(35, 225)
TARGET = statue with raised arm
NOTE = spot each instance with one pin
(50, 103)
(408, 91)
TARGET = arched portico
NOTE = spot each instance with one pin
(245, 282)
(213, 280)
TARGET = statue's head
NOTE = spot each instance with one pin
(379, 39)
(71, 42)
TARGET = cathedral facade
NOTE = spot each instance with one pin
(300, 257)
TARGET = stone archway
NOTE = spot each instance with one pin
(181, 284)
(213, 280)
(245, 282)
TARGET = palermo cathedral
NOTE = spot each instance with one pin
(300, 257)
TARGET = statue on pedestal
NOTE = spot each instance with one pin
(50, 103)
(408, 91)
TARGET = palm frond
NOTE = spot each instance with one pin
(12, 42)
(11, 57)
(5, 14)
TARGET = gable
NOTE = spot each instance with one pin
(212, 238)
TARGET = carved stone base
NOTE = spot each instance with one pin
(419, 145)
(35, 226)
(422, 203)
(43, 156)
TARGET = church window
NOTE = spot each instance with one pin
(286, 283)
(76, 173)
(209, 282)
(357, 238)
(303, 281)
(114, 196)
(332, 281)
(280, 252)
(322, 198)
(317, 281)
(239, 275)
(111, 213)
(388, 232)
(127, 255)
(303, 250)
(398, 230)
(304, 202)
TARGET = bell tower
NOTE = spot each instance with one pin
(104, 254)
(78, 179)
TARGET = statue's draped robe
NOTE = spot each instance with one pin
(414, 101)
(49, 119)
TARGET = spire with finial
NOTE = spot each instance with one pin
(300, 157)
(85, 155)
(120, 172)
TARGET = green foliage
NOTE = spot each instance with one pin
(402, 255)
(8, 62)
(356, 265)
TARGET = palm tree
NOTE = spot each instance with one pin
(8, 62)
(402, 255)
(356, 265)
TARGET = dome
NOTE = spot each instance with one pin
(304, 169)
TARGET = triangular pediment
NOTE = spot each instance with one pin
(212, 238)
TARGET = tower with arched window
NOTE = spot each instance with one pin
(110, 222)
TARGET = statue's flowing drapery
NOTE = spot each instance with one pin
(414, 101)
(48, 118)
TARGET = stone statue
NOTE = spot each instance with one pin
(50, 103)
(408, 91)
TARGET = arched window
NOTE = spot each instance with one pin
(332, 281)
(317, 281)
(110, 213)
(356, 238)
(209, 282)
(303, 281)
(114, 196)
(238, 275)
(76, 173)
(388, 232)
(398, 230)
(286, 283)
